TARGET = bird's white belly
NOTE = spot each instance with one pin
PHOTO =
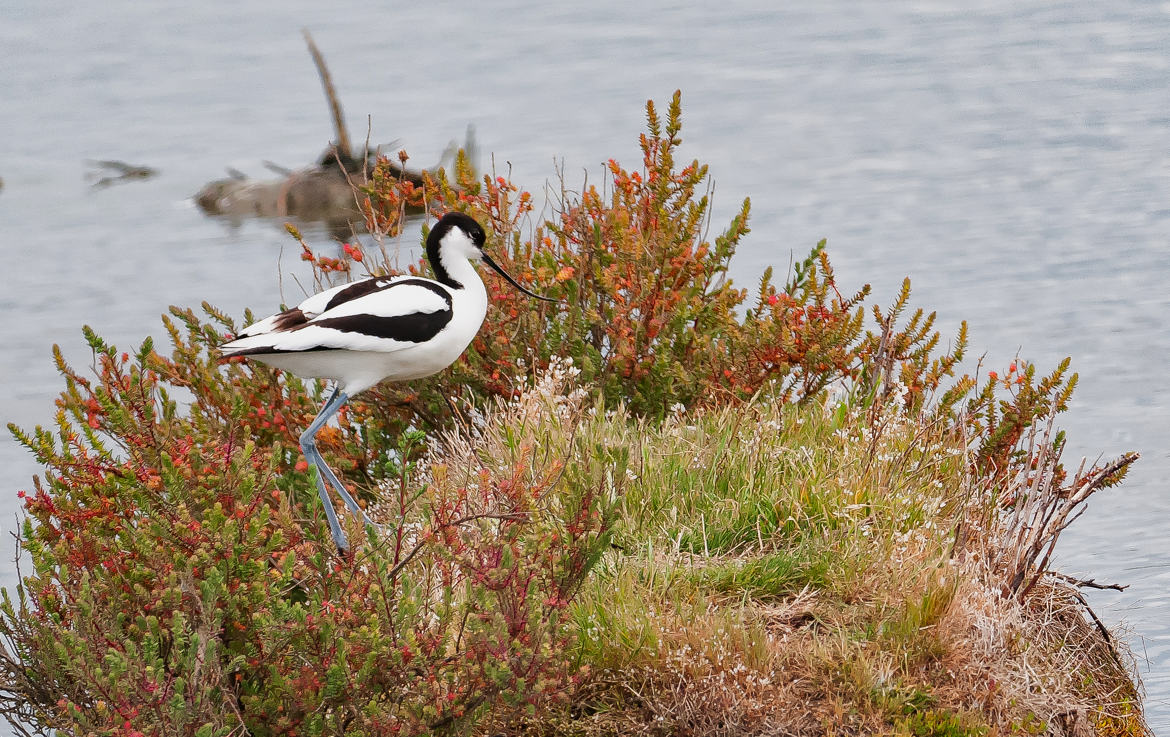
(359, 370)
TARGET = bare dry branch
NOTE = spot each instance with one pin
(1039, 509)
(1088, 582)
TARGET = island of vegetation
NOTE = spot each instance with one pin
(664, 505)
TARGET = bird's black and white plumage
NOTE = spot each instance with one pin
(397, 328)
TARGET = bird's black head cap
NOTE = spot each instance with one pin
(460, 220)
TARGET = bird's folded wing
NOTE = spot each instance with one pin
(383, 315)
(386, 298)
(311, 307)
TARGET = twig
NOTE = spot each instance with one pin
(284, 171)
(1088, 583)
(454, 523)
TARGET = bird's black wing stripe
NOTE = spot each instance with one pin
(368, 286)
(417, 327)
(355, 290)
(428, 284)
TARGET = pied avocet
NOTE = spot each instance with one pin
(397, 328)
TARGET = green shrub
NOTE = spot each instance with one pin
(184, 581)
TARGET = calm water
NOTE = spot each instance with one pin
(1012, 159)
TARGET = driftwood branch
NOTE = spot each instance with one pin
(322, 192)
(108, 172)
(344, 148)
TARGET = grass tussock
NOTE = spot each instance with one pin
(815, 569)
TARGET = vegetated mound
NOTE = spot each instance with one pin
(831, 568)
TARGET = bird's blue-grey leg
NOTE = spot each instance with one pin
(313, 456)
(345, 495)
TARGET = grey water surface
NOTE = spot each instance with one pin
(1012, 158)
